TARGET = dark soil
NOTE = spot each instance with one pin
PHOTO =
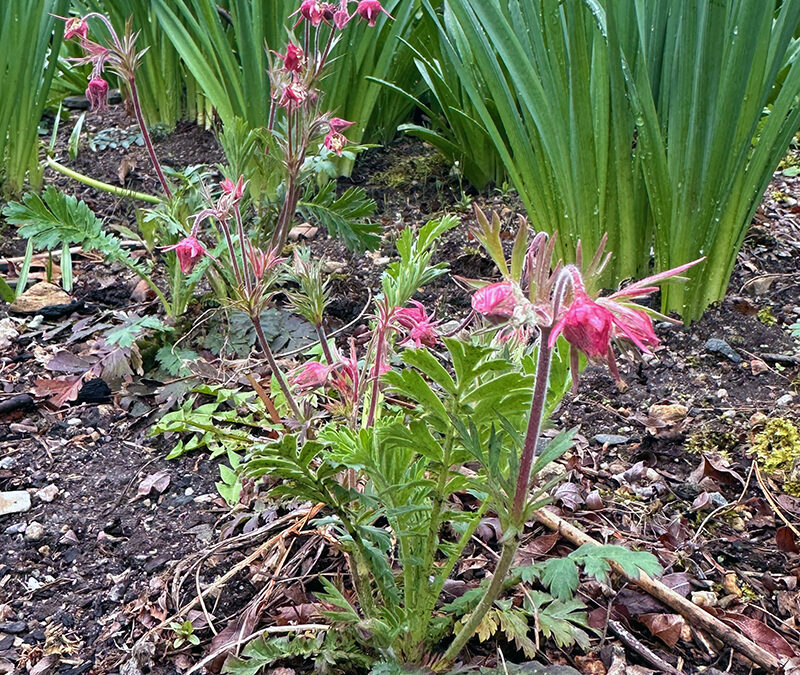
(99, 573)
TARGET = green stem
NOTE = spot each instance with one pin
(475, 618)
(276, 371)
(100, 185)
(432, 539)
(518, 507)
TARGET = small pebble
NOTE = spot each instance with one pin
(74, 421)
(610, 439)
(717, 346)
(8, 462)
(34, 531)
(47, 494)
(188, 491)
(35, 322)
(784, 400)
(16, 528)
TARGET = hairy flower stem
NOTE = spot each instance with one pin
(376, 377)
(137, 108)
(248, 281)
(323, 341)
(517, 515)
(276, 371)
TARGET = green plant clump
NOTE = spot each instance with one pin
(777, 449)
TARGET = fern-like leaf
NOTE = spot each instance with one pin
(344, 216)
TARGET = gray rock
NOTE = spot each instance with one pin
(610, 439)
(717, 346)
(8, 462)
(34, 531)
(784, 401)
(47, 494)
(13, 627)
(16, 528)
(15, 501)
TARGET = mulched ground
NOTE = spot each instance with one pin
(93, 564)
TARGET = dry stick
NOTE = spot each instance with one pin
(627, 638)
(772, 502)
(696, 616)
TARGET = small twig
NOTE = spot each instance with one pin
(696, 616)
(772, 502)
(628, 639)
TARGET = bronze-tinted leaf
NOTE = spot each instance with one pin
(666, 627)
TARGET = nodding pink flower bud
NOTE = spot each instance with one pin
(189, 251)
(310, 10)
(420, 329)
(75, 27)
(234, 190)
(293, 95)
(338, 124)
(311, 375)
(341, 17)
(586, 326)
(335, 142)
(369, 10)
(328, 10)
(294, 59)
(496, 301)
(97, 93)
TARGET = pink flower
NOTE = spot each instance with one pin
(370, 10)
(97, 93)
(496, 301)
(328, 10)
(310, 10)
(293, 95)
(189, 251)
(294, 59)
(311, 375)
(632, 324)
(341, 17)
(75, 27)
(586, 326)
(338, 124)
(420, 329)
(335, 142)
(234, 190)
(345, 378)
(262, 261)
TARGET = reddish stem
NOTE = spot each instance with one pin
(137, 107)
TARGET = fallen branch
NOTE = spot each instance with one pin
(694, 614)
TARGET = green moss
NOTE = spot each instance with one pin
(777, 449)
(708, 442)
(766, 316)
(414, 167)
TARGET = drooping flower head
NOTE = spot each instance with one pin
(75, 27)
(370, 10)
(97, 93)
(311, 11)
(419, 327)
(293, 95)
(335, 142)
(311, 375)
(587, 326)
(189, 251)
(341, 17)
(235, 191)
(338, 124)
(496, 301)
(294, 59)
